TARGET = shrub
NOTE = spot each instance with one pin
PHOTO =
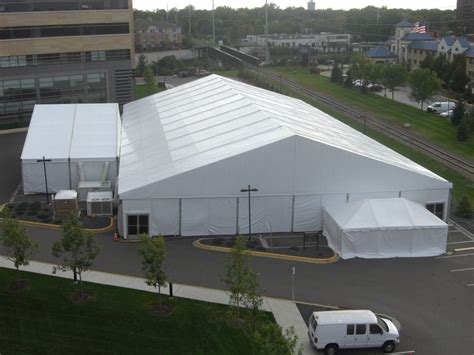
(464, 208)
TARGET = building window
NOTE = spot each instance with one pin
(137, 224)
(436, 208)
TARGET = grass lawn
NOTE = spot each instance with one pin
(461, 185)
(43, 320)
(141, 91)
(431, 127)
(227, 73)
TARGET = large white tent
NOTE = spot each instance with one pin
(384, 228)
(81, 141)
(187, 152)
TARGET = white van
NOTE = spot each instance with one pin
(333, 330)
(439, 107)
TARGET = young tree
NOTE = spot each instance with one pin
(149, 78)
(348, 82)
(336, 73)
(428, 62)
(462, 133)
(240, 279)
(424, 84)
(458, 113)
(153, 253)
(361, 69)
(439, 65)
(394, 75)
(19, 248)
(464, 209)
(77, 248)
(141, 66)
(268, 338)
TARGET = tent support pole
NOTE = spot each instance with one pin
(237, 217)
(69, 170)
(292, 213)
(179, 216)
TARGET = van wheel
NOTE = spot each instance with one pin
(331, 349)
(388, 347)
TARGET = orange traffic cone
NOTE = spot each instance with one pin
(116, 237)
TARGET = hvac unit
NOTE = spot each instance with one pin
(99, 203)
(85, 187)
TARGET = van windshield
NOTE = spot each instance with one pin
(382, 324)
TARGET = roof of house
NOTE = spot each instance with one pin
(449, 40)
(424, 45)
(380, 52)
(216, 118)
(404, 23)
(464, 42)
(470, 52)
(419, 37)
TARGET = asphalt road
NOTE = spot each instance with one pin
(433, 304)
(10, 171)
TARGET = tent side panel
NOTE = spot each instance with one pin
(270, 214)
(223, 216)
(307, 213)
(34, 181)
(92, 171)
(332, 232)
(429, 241)
(165, 216)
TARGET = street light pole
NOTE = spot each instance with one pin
(44, 160)
(267, 53)
(249, 189)
(213, 26)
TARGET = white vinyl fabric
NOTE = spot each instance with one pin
(384, 228)
(204, 141)
(77, 138)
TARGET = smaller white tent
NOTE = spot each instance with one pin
(384, 228)
(80, 142)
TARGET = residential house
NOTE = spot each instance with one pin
(419, 50)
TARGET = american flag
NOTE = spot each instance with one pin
(418, 27)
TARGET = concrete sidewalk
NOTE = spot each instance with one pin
(285, 312)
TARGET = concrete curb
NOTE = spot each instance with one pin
(57, 226)
(14, 130)
(199, 245)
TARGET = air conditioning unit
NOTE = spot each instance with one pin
(84, 187)
(100, 203)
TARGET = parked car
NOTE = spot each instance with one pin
(439, 107)
(334, 330)
(447, 114)
(358, 83)
(375, 87)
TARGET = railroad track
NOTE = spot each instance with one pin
(462, 166)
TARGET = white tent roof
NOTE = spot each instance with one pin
(76, 131)
(215, 118)
(388, 213)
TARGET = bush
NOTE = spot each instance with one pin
(462, 134)
(464, 208)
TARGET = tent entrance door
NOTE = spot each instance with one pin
(137, 224)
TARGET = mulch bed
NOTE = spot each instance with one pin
(161, 309)
(78, 297)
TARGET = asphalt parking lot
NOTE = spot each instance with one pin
(431, 297)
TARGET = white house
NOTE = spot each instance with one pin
(186, 153)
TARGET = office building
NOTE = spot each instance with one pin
(68, 51)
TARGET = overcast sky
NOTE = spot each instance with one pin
(320, 4)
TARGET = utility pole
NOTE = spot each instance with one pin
(267, 53)
(378, 15)
(213, 26)
(189, 16)
(249, 189)
(44, 160)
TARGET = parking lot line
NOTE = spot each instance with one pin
(463, 242)
(467, 269)
(453, 256)
(470, 285)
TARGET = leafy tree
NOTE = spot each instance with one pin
(424, 85)
(77, 248)
(462, 133)
(464, 209)
(268, 338)
(19, 248)
(141, 66)
(240, 279)
(348, 82)
(439, 65)
(336, 73)
(394, 75)
(428, 62)
(153, 253)
(149, 78)
(458, 113)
